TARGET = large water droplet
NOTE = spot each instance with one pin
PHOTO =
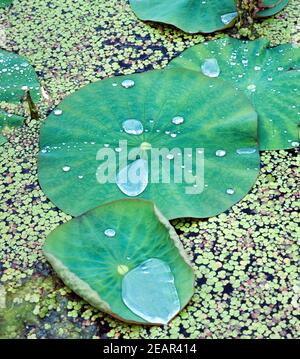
(133, 179)
(66, 168)
(211, 68)
(220, 153)
(245, 151)
(177, 120)
(149, 291)
(227, 18)
(109, 232)
(230, 191)
(127, 83)
(133, 127)
(57, 112)
(295, 144)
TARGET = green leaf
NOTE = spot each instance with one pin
(16, 75)
(275, 7)
(96, 265)
(268, 76)
(188, 15)
(10, 120)
(3, 139)
(4, 3)
(216, 117)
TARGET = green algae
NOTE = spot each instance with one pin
(246, 260)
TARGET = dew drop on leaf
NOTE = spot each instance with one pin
(230, 191)
(220, 153)
(127, 84)
(177, 120)
(227, 18)
(245, 151)
(109, 232)
(133, 127)
(210, 68)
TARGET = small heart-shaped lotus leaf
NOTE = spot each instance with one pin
(275, 7)
(105, 254)
(188, 15)
(4, 3)
(179, 111)
(16, 76)
(10, 120)
(270, 77)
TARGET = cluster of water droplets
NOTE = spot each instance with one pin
(16, 74)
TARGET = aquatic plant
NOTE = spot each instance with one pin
(4, 3)
(268, 76)
(19, 82)
(126, 260)
(195, 16)
(177, 112)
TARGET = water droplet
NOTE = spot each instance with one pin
(251, 87)
(66, 168)
(230, 191)
(109, 232)
(149, 291)
(220, 153)
(173, 135)
(57, 112)
(210, 68)
(133, 179)
(118, 149)
(270, 78)
(80, 177)
(169, 156)
(295, 144)
(177, 120)
(280, 68)
(245, 151)
(133, 127)
(227, 18)
(24, 88)
(257, 68)
(127, 83)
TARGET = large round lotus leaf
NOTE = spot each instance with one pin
(16, 76)
(215, 116)
(99, 255)
(270, 77)
(188, 15)
(272, 7)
